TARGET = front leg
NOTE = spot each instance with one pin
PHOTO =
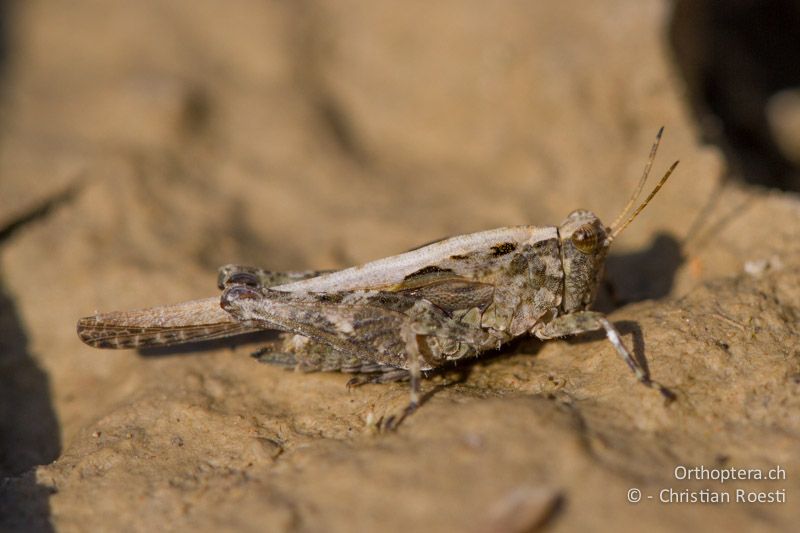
(586, 321)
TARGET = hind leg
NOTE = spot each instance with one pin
(353, 327)
(254, 276)
(381, 374)
(305, 355)
(270, 356)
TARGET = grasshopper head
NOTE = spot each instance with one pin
(584, 245)
(585, 241)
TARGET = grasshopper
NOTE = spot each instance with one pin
(396, 318)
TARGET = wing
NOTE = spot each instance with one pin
(452, 294)
(195, 320)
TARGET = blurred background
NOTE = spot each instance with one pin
(737, 62)
(144, 144)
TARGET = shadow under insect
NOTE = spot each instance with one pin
(647, 274)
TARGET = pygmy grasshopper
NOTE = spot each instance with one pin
(395, 318)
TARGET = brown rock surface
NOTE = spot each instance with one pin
(145, 144)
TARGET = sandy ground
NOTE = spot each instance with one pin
(143, 144)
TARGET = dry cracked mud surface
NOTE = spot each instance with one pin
(145, 144)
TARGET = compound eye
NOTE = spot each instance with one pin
(586, 239)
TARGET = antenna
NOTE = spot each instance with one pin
(616, 228)
(662, 181)
(642, 180)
